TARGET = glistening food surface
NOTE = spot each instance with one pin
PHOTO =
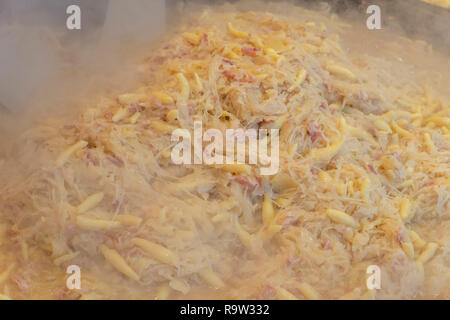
(363, 179)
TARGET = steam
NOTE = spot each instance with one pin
(40, 59)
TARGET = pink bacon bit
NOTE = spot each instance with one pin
(267, 292)
(197, 57)
(61, 294)
(116, 161)
(377, 155)
(228, 61)
(133, 252)
(289, 220)
(323, 105)
(90, 158)
(229, 74)
(251, 51)
(182, 54)
(132, 110)
(395, 154)
(205, 37)
(108, 115)
(247, 78)
(372, 169)
(116, 204)
(71, 230)
(245, 182)
(258, 180)
(326, 245)
(400, 237)
(122, 237)
(427, 184)
(157, 103)
(21, 282)
(289, 260)
(13, 206)
(314, 131)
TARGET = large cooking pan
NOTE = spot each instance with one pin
(26, 71)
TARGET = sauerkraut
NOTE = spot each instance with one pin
(363, 178)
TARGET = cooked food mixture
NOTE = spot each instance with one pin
(363, 175)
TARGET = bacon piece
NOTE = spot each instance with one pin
(267, 292)
(108, 115)
(289, 220)
(251, 51)
(371, 168)
(229, 74)
(314, 131)
(247, 78)
(89, 157)
(427, 184)
(395, 154)
(116, 161)
(122, 237)
(289, 260)
(400, 237)
(132, 110)
(258, 180)
(21, 282)
(246, 182)
(326, 244)
(228, 61)
(377, 156)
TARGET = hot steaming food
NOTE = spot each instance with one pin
(363, 177)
